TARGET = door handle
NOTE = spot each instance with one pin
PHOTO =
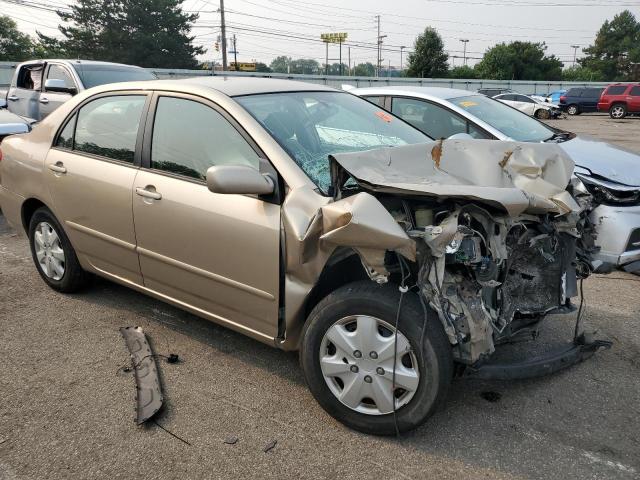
(149, 192)
(57, 167)
(13, 98)
(44, 100)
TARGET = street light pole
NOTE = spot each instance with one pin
(401, 48)
(575, 50)
(464, 55)
(224, 36)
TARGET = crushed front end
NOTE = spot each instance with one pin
(501, 235)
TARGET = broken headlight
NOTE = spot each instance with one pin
(606, 192)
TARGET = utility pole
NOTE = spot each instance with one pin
(380, 37)
(575, 50)
(326, 61)
(401, 48)
(235, 53)
(223, 34)
(349, 55)
(340, 59)
(464, 55)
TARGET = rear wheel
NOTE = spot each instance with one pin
(349, 350)
(573, 110)
(618, 111)
(52, 253)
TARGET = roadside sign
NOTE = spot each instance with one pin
(243, 67)
(334, 37)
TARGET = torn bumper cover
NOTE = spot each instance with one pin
(148, 392)
(499, 232)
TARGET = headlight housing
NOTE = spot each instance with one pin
(606, 192)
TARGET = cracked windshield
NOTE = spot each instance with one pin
(310, 126)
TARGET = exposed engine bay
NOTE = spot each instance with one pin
(500, 235)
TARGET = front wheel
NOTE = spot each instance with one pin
(573, 110)
(543, 114)
(349, 351)
(618, 111)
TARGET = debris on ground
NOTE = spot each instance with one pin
(270, 446)
(231, 440)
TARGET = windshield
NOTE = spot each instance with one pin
(93, 75)
(310, 126)
(511, 122)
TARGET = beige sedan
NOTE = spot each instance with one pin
(308, 219)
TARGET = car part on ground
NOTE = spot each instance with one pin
(149, 397)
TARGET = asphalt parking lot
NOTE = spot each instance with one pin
(66, 410)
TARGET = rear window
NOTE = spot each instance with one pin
(616, 90)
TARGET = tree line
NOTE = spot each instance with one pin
(156, 33)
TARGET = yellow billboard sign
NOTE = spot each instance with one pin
(333, 37)
(243, 67)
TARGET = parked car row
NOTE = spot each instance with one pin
(382, 237)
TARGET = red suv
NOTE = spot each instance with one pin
(620, 99)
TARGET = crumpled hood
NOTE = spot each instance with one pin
(603, 159)
(520, 177)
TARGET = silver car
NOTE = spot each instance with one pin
(608, 172)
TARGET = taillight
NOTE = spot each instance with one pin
(563, 98)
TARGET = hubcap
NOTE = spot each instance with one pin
(573, 110)
(368, 388)
(49, 251)
(617, 112)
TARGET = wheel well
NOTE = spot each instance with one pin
(343, 267)
(613, 104)
(28, 209)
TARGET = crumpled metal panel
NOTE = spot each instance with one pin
(520, 177)
(148, 392)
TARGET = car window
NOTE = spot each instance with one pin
(616, 90)
(98, 74)
(574, 92)
(435, 121)
(108, 126)
(30, 77)
(65, 139)
(60, 73)
(508, 97)
(310, 126)
(635, 91)
(511, 122)
(523, 98)
(592, 92)
(189, 137)
(377, 100)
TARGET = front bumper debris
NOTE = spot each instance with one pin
(148, 392)
(539, 366)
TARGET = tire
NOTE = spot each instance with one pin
(433, 358)
(573, 109)
(543, 114)
(618, 111)
(50, 248)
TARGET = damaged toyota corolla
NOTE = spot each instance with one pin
(311, 220)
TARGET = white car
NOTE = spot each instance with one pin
(609, 172)
(529, 105)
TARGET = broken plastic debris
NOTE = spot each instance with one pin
(269, 446)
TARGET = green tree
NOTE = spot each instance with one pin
(334, 69)
(463, 71)
(578, 73)
(14, 45)
(304, 65)
(262, 67)
(428, 58)
(519, 61)
(364, 70)
(149, 33)
(616, 47)
(280, 64)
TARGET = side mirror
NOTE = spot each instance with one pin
(57, 85)
(238, 179)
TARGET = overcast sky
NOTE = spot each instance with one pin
(268, 28)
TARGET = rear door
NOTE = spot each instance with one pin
(49, 100)
(24, 92)
(633, 99)
(90, 174)
(590, 98)
(216, 253)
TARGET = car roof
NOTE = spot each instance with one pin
(426, 92)
(75, 62)
(236, 86)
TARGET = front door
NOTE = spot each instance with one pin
(216, 253)
(24, 93)
(49, 101)
(90, 173)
